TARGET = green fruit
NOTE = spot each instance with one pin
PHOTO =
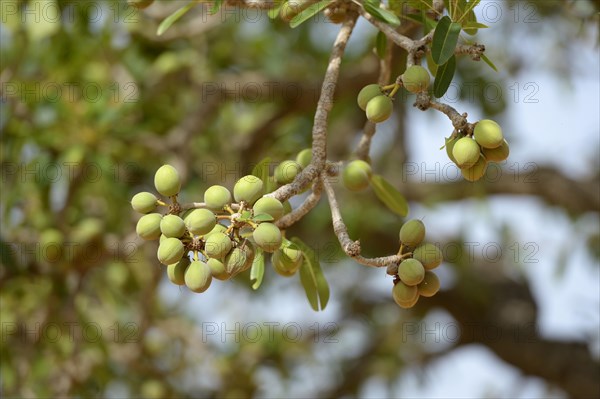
(171, 250)
(488, 134)
(200, 221)
(172, 226)
(217, 269)
(144, 202)
(148, 227)
(219, 228)
(269, 206)
(248, 189)
(238, 260)
(476, 171)
(466, 152)
(379, 109)
(176, 271)
(416, 79)
(412, 233)
(286, 172)
(450, 141)
(366, 94)
(429, 255)
(411, 271)
(430, 285)
(286, 261)
(216, 197)
(497, 154)
(356, 175)
(140, 4)
(167, 181)
(217, 245)
(404, 295)
(267, 236)
(304, 157)
(198, 276)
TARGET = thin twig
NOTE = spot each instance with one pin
(309, 203)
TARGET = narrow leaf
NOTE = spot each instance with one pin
(263, 217)
(431, 65)
(309, 12)
(274, 12)
(381, 44)
(445, 39)
(312, 277)
(389, 195)
(258, 269)
(170, 20)
(489, 62)
(444, 76)
(471, 5)
(216, 7)
(261, 170)
(382, 14)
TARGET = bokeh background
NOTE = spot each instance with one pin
(93, 102)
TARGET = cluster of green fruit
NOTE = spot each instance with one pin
(414, 277)
(378, 103)
(223, 234)
(472, 154)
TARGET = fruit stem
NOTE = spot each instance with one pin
(394, 91)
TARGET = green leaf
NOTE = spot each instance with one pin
(312, 277)
(444, 76)
(171, 19)
(469, 8)
(261, 170)
(381, 44)
(274, 12)
(263, 217)
(245, 216)
(388, 194)
(489, 62)
(216, 7)
(423, 5)
(309, 12)
(431, 65)
(381, 14)
(445, 39)
(258, 269)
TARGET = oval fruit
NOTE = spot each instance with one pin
(497, 154)
(476, 171)
(217, 245)
(450, 141)
(200, 221)
(404, 295)
(216, 197)
(144, 202)
(167, 181)
(176, 271)
(236, 261)
(217, 269)
(148, 227)
(198, 276)
(416, 79)
(269, 206)
(411, 272)
(430, 285)
(379, 109)
(286, 261)
(171, 250)
(267, 236)
(466, 152)
(366, 94)
(429, 255)
(304, 157)
(488, 133)
(172, 226)
(412, 233)
(286, 172)
(248, 189)
(356, 175)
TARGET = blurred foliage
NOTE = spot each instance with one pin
(92, 104)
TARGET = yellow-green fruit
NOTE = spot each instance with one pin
(198, 276)
(286, 261)
(286, 172)
(217, 269)
(216, 197)
(219, 228)
(167, 181)
(148, 227)
(356, 175)
(140, 4)
(429, 255)
(430, 285)
(488, 134)
(379, 109)
(404, 295)
(176, 271)
(466, 152)
(476, 171)
(304, 157)
(237, 261)
(416, 79)
(217, 245)
(450, 141)
(171, 250)
(144, 202)
(269, 206)
(267, 236)
(249, 189)
(51, 245)
(497, 154)
(411, 271)
(172, 226)
(200, 221)
(412, 233)
(366, 94)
